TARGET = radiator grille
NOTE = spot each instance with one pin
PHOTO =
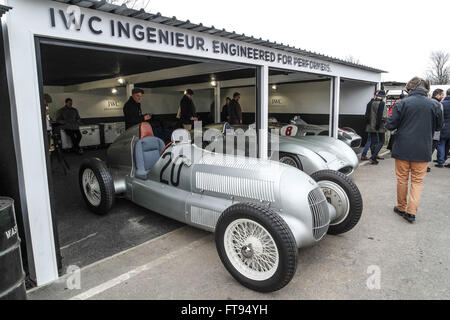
(319, 210)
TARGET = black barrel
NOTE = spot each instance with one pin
(12, 277)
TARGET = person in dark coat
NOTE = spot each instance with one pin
(68, 119)
(235, 110)
(444, 142)
(225, 114)
(188, 113)
(132, 109)
(376, 114)
(415, 118)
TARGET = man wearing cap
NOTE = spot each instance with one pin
(234, 110)
(187, 110)
(132, 109)
(415, 118)
(376, 114)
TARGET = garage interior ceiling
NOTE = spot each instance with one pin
(79, 69)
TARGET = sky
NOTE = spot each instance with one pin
(397, 36)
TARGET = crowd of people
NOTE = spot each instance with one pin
(419, 125)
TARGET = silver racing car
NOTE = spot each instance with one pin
(304, 129)
(261, 211)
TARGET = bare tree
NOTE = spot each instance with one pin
(132, 4)
(439, 71)
(352, 59)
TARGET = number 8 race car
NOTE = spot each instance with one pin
(261, 211)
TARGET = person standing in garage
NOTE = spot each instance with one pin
(132, 109)
(224, 114)
(415, 118)
(235, 110)
(69, 119)
(376, 115)
(187, 110)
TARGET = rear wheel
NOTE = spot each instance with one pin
(343, 194)
(96, 186)
(256, 247)
(291, 160)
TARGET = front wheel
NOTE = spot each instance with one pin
(96, 185)
(256, 246)
(343, 194)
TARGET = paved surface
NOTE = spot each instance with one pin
(413, 260)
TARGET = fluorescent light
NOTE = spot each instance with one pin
(114, 90)
(213, 83)
(274, 87)
(121, 80)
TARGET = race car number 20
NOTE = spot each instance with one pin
(173, 182)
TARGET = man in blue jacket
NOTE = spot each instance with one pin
(444, 142)
(416, 118)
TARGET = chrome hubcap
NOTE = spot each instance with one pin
(337, 197)
(251, 249)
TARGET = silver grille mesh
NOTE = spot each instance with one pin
(204, 217)
(319, 210)
(236, 186)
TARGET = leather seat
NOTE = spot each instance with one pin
(146, 153)
(145, 130)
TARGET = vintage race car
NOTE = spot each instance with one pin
(260, 210)
(303, 129)
(307, 153)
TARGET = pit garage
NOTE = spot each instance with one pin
(95, 53)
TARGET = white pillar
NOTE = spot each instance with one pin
(379, 86)
(217, 102)
(130, 87)
(335, 93)
(262, 112)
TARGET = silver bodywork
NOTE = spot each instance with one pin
(314, 152)
(347, 135)
(195, 186)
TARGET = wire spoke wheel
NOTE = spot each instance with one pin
(251, 249)
(256, 246)
(91, 187)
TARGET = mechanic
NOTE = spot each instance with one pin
(132, 109)
(375, 116)
(224, 115)
(416, 118)
(68, 119)
(235, 110)
(187, 110)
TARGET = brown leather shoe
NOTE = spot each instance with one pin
(364, 158)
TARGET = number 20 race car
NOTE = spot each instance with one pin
(261, 211)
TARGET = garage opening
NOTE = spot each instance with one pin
(98, 80)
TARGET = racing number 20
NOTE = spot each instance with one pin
(174, 163)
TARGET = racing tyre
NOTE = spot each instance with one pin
(343, 194)
(291, 160)
(96, 185)
(256, 246)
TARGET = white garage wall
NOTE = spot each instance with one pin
(102, 103)
(355, 96)
(306, 97)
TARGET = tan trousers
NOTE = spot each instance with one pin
(418, 171)
(187, 126)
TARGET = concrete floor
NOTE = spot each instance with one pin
(413, 260)
(85, 237)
